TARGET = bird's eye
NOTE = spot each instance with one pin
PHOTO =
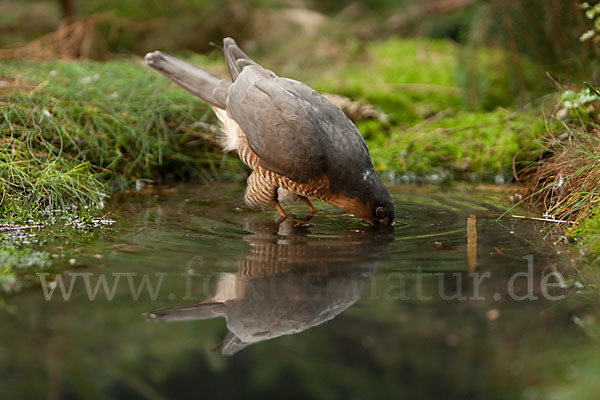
(380, 212)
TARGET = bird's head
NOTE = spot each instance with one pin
(378, 212)
(382, 213)
(380, 209)
(370, 201)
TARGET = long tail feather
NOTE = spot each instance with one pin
(188, 313)
(203, 84)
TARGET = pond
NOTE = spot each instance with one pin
(191, 295)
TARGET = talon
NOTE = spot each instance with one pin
(299, 222)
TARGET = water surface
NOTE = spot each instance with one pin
(205, 299)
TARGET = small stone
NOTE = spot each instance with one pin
(492, 314)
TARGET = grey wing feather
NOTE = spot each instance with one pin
(339, 128)
(232, 344)
(235, 58)
(283, 129)
(347, 151)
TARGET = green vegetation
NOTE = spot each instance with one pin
(588, 234)
(71, 130)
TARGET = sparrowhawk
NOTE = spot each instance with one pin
(297, 143)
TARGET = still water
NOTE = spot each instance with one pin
(191, 295)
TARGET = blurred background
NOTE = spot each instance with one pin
(478, 78)
(546, 31)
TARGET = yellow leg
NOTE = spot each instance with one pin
(306, 201)
(281, 212)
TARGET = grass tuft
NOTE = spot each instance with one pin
(36, 182)
(73, 131)
(565, 182)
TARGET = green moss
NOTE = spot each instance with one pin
(436, 123)
(482, 143)
(587, 233)
(407, 79)
(431, 75)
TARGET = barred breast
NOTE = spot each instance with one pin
(262, 183)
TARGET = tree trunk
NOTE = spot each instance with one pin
(398, 21)
(69, 10)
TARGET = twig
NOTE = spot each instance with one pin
(204, 136)
(435, 117)
(7, 227)
(592, 89)
(558, 85)
(557, 221)
(472, 243)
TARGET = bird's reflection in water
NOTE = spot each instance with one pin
(291, 280)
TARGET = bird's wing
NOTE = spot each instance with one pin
(232, 344)
(339, 128)
(295, 131)
(284, 129)
(347, 153)
(235, 58)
